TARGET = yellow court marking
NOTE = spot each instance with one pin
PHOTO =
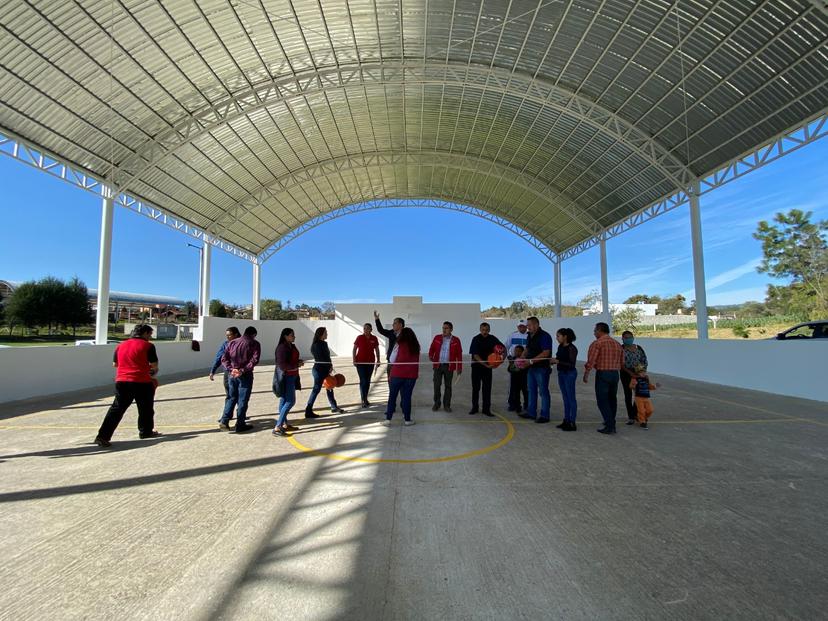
(510, 433)
(751, 407)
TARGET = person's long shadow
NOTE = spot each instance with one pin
(117, 446)
(116, 484)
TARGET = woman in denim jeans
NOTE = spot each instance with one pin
(287, 372)
(565, 358)
(322, 368)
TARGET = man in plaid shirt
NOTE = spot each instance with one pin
(606, 356)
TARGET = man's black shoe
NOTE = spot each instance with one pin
(571, 427)
(631, 421)
(563, 425)
(488, 414)
(151, 434)
(310, 414)
(102, 443)
(526, 415)
(435, 407)
(604, 430)
(242, 427)
(541, 420)
(473, 411)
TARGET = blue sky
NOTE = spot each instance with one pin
(52, 228)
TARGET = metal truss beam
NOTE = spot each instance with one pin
(472, 77)
(21, 150)
(392, 203)
(384, 159)
(780, 145)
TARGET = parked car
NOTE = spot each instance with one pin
(807, 330)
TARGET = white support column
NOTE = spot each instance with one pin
(557, 271)
(257, 289)
(604, 279)
(205, 279)
(698, 261)
(104, 269)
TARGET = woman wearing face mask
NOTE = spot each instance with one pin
(633, 356)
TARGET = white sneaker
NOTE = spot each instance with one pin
(386, 423)
(408, 423)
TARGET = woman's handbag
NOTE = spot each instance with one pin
(278, 382)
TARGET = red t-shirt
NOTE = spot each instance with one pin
(133, 358)
(366, 348)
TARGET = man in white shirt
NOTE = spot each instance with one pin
(446, 353)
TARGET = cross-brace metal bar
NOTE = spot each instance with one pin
(392, 203)
(258, 197)
(780, 145)
(491, 79)
(23, 151)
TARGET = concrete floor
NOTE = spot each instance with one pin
(718, 511)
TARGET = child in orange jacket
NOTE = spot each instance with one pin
(641, 387)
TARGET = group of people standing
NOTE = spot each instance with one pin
(528, 352)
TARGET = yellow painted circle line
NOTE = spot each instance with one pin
(510, 433)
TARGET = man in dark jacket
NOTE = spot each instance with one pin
(481, 347)
(391, 335)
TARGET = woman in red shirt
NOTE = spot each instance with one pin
(405, 359)
(366, 360)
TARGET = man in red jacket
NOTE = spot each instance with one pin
(446, 353)
(136, 363)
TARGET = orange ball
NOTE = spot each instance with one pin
(340, 380)
(495, 360)
(329, 382)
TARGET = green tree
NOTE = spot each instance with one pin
(626, 319)
(672, 305)
(270, 309)
(796, 248)
(217, 308)
(74, 308)
(24, 305)
(591, 300)
(641, 298)
(191, 308)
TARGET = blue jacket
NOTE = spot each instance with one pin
(217, 361)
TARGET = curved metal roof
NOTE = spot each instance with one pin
(248, 118)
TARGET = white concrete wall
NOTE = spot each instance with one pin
(793, 368)
(212, 334)
(38, 371)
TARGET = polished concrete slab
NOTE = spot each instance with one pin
(715, 512)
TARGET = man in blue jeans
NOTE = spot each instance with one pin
(239, 358)
(606, 356)
(538, 352)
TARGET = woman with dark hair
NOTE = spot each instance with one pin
(404, 360)
(565, 358)
(322, 368)
(287, 378)
(634, 356)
